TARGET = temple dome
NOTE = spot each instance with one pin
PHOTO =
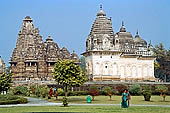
(101, 12)
(138, 39)
(49, 38)
(74, 55)
(28, 18)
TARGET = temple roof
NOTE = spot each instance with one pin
(138, 39)
(123, 34)
(102, 25)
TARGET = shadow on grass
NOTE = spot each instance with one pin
(147, 101)
(163, 101)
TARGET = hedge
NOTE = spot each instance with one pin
(12, 99)
(17, 101)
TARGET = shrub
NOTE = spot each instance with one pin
(20, 90)
(135, 89)
(93, 91)
(162, 89)
(12, 99)
(108, 91)
(44, 91)
(23, 100)
(8, 97)
(147, 92)
(32, 89)
(60, 92)
(65, 101)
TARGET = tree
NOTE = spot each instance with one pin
(162, 89)
(135, 89)
(147, 92)
(94, 91)
(68, 74)
(5, 82)
(108, 91)
(162, 63)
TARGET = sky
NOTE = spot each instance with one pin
(69, 22)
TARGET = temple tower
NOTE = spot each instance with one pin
(118, 56)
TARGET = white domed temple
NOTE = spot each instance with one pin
(117, 56)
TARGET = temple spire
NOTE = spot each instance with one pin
(122, 23)
(101, 12)
(100, 6)
(137, 32)
(122, 29)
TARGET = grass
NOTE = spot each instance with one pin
(97, 109)
(86, 109)
(155, 100)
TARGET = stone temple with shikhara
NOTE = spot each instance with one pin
(117, 56)
(32, 60)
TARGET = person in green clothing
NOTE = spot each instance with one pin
(88, 99)
(124, 99)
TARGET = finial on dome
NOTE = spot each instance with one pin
(100, 6)
(49, 38)
(122, 23)
(137, 32)
(122, 29)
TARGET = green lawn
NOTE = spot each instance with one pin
(86, 109)
(115, 100)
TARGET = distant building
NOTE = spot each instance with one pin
(32, 59)
(2, 66)
(117, 56)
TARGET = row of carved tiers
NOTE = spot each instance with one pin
(34, 58)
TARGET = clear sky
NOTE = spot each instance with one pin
(69, 21)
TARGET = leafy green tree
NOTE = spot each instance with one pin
(108, 91)
(5, 82)
(147, 92)
(135, 89)
(162, 89)
(69, 74)
(162, 63)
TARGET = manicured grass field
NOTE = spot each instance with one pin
(86, 109)
(155, 100)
